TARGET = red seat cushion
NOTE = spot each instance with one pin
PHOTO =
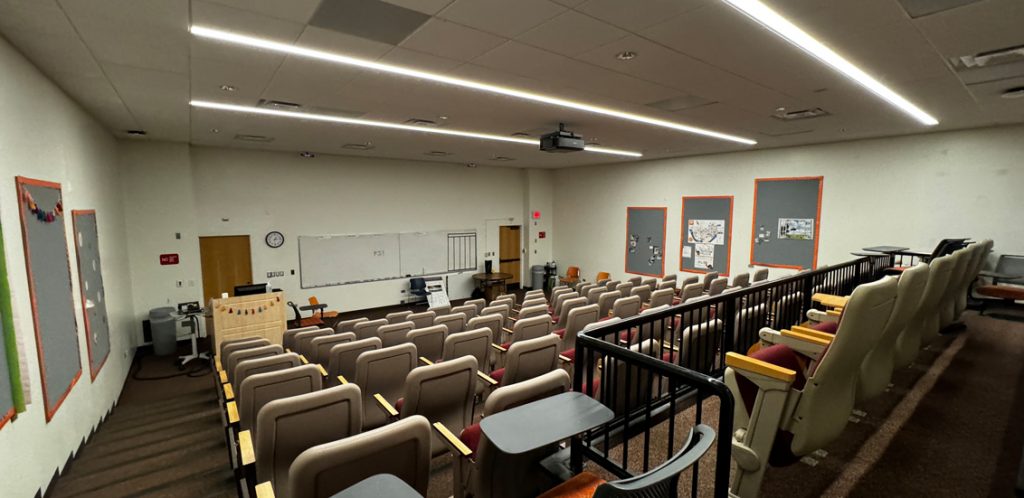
(399, 403)
(828, 327)
(559, 332)
(470, 436)
(555, 319)
(570, 353)
(593, 387)
(507, 345)
(498, 374)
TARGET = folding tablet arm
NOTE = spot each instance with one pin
(754, 432)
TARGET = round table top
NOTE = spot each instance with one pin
(492, 276)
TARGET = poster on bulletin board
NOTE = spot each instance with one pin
(41, 206)
(706, 234)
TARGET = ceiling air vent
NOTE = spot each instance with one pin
(1013, 93)
(503, 158)
(989, 58)
(437, 153)
(278, 104)
(254, 138)
(362, 146)
(420, 122)
(787, 115)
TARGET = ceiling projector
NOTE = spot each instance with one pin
(561, 141)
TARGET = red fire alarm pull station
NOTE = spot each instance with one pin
(542, 235)
(168, 259)
(536, 215)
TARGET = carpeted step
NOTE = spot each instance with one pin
(113, 456)
(123, 412)
(113, 424)
(104, 442)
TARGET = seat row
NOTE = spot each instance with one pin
(797, 392)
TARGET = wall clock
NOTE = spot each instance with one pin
(275, 239)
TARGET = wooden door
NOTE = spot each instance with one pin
(226, 263)
(509, 253)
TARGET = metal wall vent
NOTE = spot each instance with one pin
(437, 153)
(253, 138)
(420, 122)
(362, 146)
(503, 158)
(787, 115)
(278, 104)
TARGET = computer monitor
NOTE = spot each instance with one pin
(250, 289)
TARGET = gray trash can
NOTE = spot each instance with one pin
(165, 331)
(537, 277)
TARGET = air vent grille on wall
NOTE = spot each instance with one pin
(503, 158)
(787, 115)
(420, 122)
(278, 104)
(363, 146)
(253, 138)
(437, 153)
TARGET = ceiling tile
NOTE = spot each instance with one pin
(213, 15)
(980, 27)
(42, 17)
(418, 60)
(572, 33)
(430, 7)
(291, 10)
(370, 19)
(635, 15)
(451, 40)
(508, 19)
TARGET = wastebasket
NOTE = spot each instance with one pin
(165, 331)
(537, 274)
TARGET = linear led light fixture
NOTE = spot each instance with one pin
(394, 126)
(249, 41)
(782, 27)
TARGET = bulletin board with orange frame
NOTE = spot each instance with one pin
(786, 222)
(705, 243)
(645, 241)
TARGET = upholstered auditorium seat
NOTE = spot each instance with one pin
(605, 301)
(397, 317)
(348, 325)
(643, 292)
(480, 304)
(342, 358)
(529, 358)
(249, 367)
(760, 275)
(303, 340)
(240, 355)
(320, 347)
(740, 280)
(442, 392)
(368, 329)
(244, 342)
(491, 321)
(382, 372)
(578, 318)
(662, 297)
(532, 311)
(469, 310)
(559, 301)
(924, 325)
(394, 334)
(423, 319)
(625, 307)
(567, 306)
(453, 322)
(259, 389)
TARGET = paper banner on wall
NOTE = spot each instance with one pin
(687, 251)
(704, 256)
(796, 228)
(705, 232)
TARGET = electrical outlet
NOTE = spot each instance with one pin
(178, 284)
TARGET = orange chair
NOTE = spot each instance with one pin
(602, 275)
(572, 276)
(313, 301)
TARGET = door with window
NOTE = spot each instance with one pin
(226, 262)
(510, 253)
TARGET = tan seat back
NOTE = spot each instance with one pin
(241, 343)
(877, 367)
(455, 322)
(749, 321)
(303, 341)
(631, 383)
(982, 250)
(475, 343)
(708, 278)
(534, 301)
(624, 288)
(441, 310)
(828, 396)
(429, 341)
(240, 355)
(625, 307)
(288, 336)
(606, 300)
(383, 372)
(662, 297)
(671, 277)
(287, 427)
(717, 286)
(394, 334)
(423, 319)
(320, 347)
(397, 317)
(504, 297)
(560, 300)
(246, 343)
(692, 279)
(594, 294)
(532, 311)
(651, 283)
(506, 302)
(491, 321)
(244, 369)
(964, 259)
(401, 449)
(521, 393)
(741, 280)
(442, 392)
(643, 292)
(691, 291)
(466, 309)
(584, 289)
(531, 328)
(700, 345)
(924, 326)
(786, 311)
(530, 358)
(259, 389)
(480, 305)
(368, 329)
(341, 360)
(579, 317)
(348, 325)
(760, 275)
(556, 294)
(567, 306)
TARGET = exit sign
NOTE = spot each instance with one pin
(168, 259)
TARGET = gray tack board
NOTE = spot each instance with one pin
(707, 208)
(645, 226)
(90, 278)
(46, 248)
(784, 198)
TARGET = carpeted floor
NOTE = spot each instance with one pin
(949, 426)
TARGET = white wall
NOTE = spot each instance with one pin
(45, 135)
(216, 191)
(909, 191)
(539, 197)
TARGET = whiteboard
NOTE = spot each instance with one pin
(342, 259)
(327, 260)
